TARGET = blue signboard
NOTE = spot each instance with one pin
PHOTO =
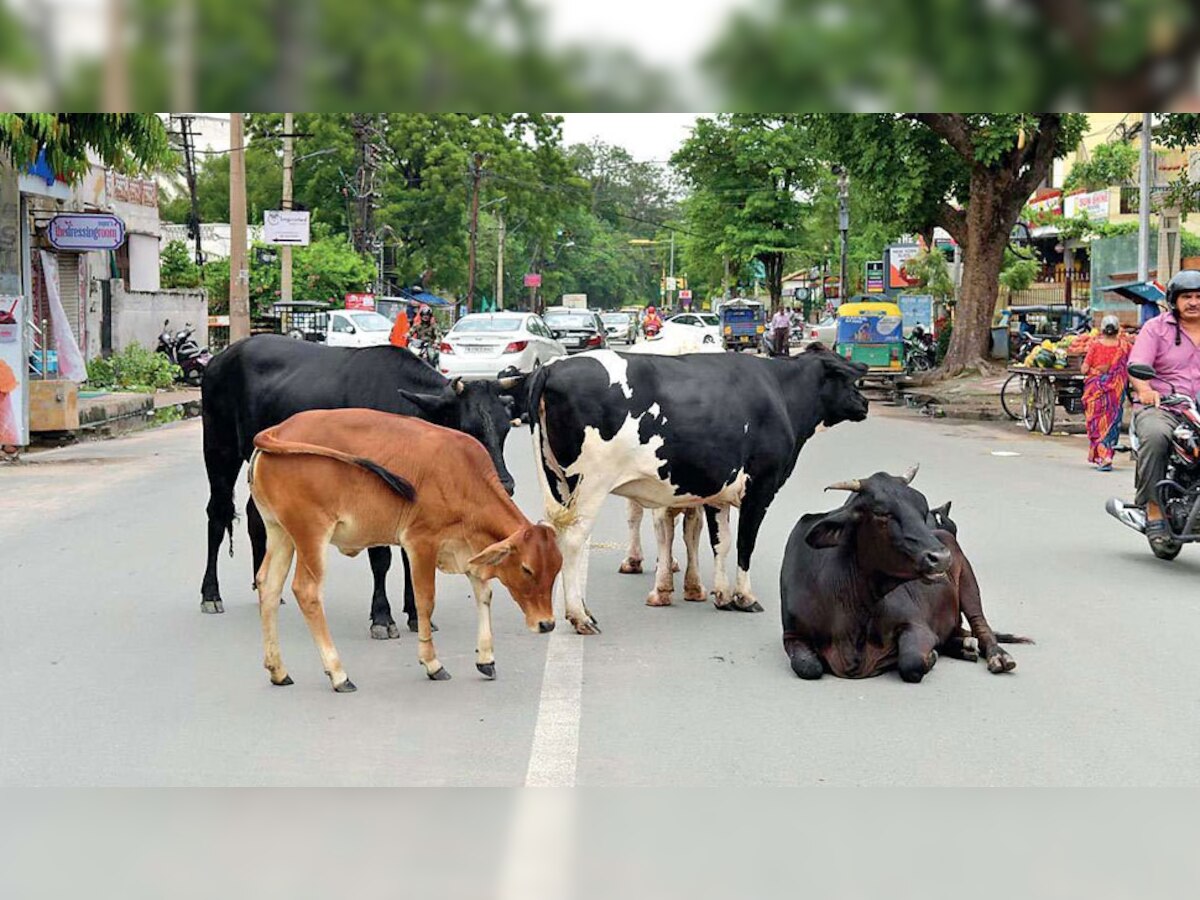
(868, 330)
(917, 309)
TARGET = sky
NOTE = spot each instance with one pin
(647, 136)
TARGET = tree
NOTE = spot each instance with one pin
(747, 174)
(933, 275)
(176, 267)
(1018, 273)
(128, 142)
(970, 174)
(1110, 163)
(264, 188)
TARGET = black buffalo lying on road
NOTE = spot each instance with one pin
(882, 582)
(673, 432)
(262, 381)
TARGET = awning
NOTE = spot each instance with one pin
(1143, 293)
(419, 297)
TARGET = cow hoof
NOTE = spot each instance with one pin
(696, 594)
(585, 626)
(384, 632)
(487, 670)
(720, 601)
(631, 567)
(287, 679)
(440, 675)
(346, 687)
(674, 567)
(659, 598)
(1001, 663)
(807, 667)
(746, 603)
(412, 626)
(212, 606)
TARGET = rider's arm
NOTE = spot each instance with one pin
(1146, 394)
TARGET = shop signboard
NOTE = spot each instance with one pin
(14, 372)
(875, 271)
(898, 256)
(1094, 205)
(85, 231)
(286, 226)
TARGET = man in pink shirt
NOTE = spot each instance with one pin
(1171, 344)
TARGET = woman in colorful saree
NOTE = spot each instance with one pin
(1106, 372)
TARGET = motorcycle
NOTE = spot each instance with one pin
(426, 351)
(183, 350)
(1178, 494)
(920, 353)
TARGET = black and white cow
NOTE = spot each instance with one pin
(715, 430)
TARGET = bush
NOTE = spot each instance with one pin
(943, 342)
(177, 269)
(134, 369)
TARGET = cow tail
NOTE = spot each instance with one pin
(267, 442)
(561, 515)
(1004, 637)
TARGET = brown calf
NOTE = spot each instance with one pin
(358, 478)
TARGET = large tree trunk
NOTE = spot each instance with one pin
(983, 256)
(773, 264)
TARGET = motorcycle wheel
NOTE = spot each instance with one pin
(921, 363)
(1167, 550)
(194, 377)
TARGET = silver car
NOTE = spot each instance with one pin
(621, 326)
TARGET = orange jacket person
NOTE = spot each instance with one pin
(9, 431)
(399, 336)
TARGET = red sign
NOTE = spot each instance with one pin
(533, 279)
(360, 301)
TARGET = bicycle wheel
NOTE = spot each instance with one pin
(1004, 397)
(1029, 401)
(1045, 406)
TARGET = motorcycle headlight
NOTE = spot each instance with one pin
(1185, 437)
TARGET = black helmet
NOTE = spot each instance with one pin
(1184, 280)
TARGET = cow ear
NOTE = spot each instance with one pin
(491, 556)
(828, 530)
(433, 404)
(943, 511)
(456, 384)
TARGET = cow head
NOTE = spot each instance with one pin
(888, 524)
(477, 408)
(838, 394)
(526, 562)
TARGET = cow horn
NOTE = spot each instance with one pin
(508, 383)
(457, 384)
(853, 485)
(908, 476)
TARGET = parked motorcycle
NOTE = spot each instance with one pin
(920, 351)
(183, 350)
(1178, 494)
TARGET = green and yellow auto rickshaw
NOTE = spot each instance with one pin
(872, 333)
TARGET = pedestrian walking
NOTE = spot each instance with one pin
(1106, 373)
(9, 431)
(400, 329)
(781, 326)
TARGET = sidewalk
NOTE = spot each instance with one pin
(975, 397)
(110, 413)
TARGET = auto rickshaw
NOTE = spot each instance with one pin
(872, 333)
(743, 324)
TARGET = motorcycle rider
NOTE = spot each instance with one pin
(651, 324)
(426, 328)
(1171, 344)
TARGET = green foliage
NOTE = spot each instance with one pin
(1018, 274)
(943, 341)
(128, 142)
(1109, 164)
(176, 267)
(216, 286)
(930, 268)
(264, 188)
(327, 269)
(134, 369)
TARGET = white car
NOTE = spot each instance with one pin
(824, 331)
(482, 345)
(703, 328)
(357, 328)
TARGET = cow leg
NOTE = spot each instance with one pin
(805, 661)
(383, 626)
(485, 659)
(572, 543)
(632, 564)
(721, 536)
(270, 579)
(424, 574)
(258, 538)
(308, 585)
(916, 653)
(971, 604)
(664, 579)
(410, 604)
(961, 646)
(693, 524)
(754, 509)
(222, 467)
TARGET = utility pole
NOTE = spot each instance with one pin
(671, 277)
(725, 292)
(189, 171)
(844, 228)
(476, 174)
(500, 262)
(239, 276)
(1144, 212)
(362, 230)
(285, 252)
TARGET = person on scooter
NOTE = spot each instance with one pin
(1171, 344)
(426, 328)
(651, 324)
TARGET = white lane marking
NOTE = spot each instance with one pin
(555, 752)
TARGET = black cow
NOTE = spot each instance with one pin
(262, 381)
(718, 430)
(882, 582)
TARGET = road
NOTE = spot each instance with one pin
(113, 676)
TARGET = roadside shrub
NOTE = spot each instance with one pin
(134, 369)
(943, 342)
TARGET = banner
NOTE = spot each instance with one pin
(874, 276)
(869, 330)
(916, 309)
(1093, 205)
(14, 414)
(898, 255)
(360, 301)
(70, 360)
(86, 231)
(285, 226)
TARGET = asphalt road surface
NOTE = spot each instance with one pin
(112, 676)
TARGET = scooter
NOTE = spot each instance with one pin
(183, 350)
(426, 351)
(1178, 495)
(920, 352)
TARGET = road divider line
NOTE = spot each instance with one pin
(555, 752)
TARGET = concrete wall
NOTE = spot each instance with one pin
(138, 315)
(143, 263)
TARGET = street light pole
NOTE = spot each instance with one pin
(476, 174)
(500, 261)
(671, 281)
(285, 252)
(844, 228)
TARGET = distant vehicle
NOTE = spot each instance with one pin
(620, 326)
(357, 328)
(304, 320)
(482, 345)
(824, 331)
(577, 329)
(743, 324)
(704, 325)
